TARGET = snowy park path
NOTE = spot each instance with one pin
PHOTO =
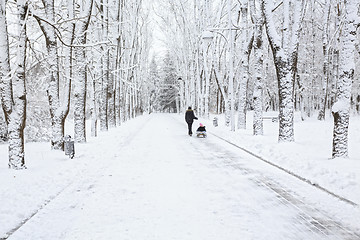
(160, 183)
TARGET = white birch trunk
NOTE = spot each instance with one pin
(12, 88)
(58, 110)
(258, 68)
(5, 77)
(117, 65)
(341, 108)
(104, 81)
(108, 66)
(244, 65)
(285, 51)
(231, 94)
(18, 115)
(325, 79)
(80, 75)
(79, 93)
(94, 112)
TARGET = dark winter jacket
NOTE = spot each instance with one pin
(190, 116)
(201, 129)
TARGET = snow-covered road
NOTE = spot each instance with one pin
(160, 183)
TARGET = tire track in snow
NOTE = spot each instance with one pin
(337, 196)
(22, 223)
(343, 199)
(315, 218)
(317, 221)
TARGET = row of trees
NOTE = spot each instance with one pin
(268, 55)
(88, 58)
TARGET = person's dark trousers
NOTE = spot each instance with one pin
(190, 127)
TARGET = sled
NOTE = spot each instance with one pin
(201, 134)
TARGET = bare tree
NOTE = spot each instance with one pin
(326, 50)
(80, 72)
(12, 84)
(245, 50)
(341, 108)
(104, 71)
(58, 110)
(285, 51)
(258, 19)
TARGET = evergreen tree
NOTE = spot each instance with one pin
(153, 104)
(169, 90)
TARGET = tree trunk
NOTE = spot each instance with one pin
(285, 52)
(231, 91)
(18, 115)
(80, 94)
(110, 62)
(301, 98)
(341, 108)
(244, 66)
(80, 74)
(13, 93)
(5, 82)
(94, 111)
(103, 100)
(325, 81)
(104, 61)
(3, 125)
(58, 110)
(286, 99)
(258, 85)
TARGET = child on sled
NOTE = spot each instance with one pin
(201, 131)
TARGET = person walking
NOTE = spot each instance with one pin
(189, 118)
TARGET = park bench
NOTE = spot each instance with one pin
(272, 118)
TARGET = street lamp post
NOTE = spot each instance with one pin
(207, 39)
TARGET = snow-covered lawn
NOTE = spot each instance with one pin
(50, 173)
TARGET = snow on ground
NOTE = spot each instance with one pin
(309, 156)
(51, 178)
(48, 172)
